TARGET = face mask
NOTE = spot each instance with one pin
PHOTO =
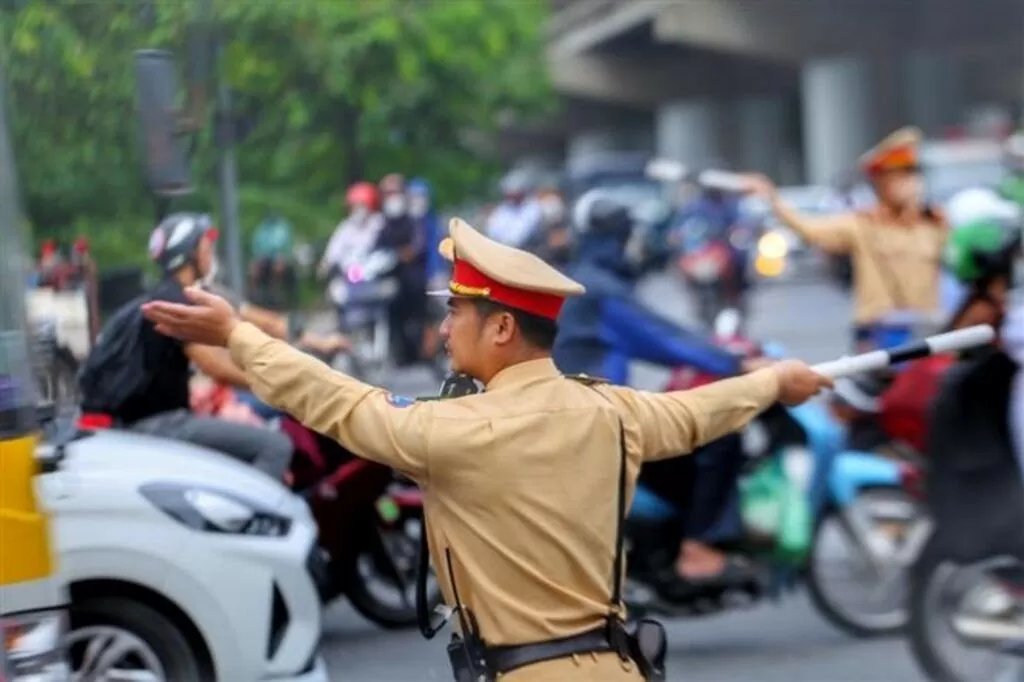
(418, 206)
(552, 209)
(394, 206)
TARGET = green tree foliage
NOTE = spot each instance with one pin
(337, 90)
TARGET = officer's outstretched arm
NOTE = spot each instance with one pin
(679, 422)
(636, 331)
(367, 420)
(834, 234)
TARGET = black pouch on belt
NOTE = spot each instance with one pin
(466, 656)
(648, 647)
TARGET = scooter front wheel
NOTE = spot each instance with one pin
(856, 586)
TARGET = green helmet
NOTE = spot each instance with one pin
(980, 250)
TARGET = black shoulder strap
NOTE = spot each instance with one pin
(454, 386)
(620, 524)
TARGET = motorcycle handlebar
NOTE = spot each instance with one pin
(961, 339)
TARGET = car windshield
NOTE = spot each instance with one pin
(17, 389)
(644, 198)
(945, 180)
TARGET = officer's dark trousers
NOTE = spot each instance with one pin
(703, 486)
(267, 450)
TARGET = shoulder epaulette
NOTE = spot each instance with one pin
(586, 379)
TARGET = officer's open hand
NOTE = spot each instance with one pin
(759, 185)
(209, 321)
(798, 383)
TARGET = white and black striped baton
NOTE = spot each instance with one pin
(961, 339)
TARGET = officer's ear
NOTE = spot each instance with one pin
(504, 327)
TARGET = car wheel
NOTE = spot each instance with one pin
(122, 639)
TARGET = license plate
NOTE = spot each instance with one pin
(705, 270)
(338, 292)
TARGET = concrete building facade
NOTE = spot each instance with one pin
(794, 88)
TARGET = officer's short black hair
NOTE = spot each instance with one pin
(538, 331)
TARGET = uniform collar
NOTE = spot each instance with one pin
(523, 373)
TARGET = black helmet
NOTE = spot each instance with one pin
(598, 213)
(173, 243)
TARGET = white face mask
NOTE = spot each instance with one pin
(359, 212)
(418, 206)
(394, 206)
(552, 208)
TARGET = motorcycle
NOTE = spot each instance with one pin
(362, 289)
(708, 266)
(369, 522)
(968, 587)
(849, 498)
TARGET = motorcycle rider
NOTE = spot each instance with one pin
(182, 246)
(718, 213)
(517, 219)
(422, 210)
(408, 310)
(605, 328)
(357, 234)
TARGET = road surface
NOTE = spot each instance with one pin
(784, 642)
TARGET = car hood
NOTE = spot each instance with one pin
(134, 459)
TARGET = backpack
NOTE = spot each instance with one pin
(903, 408)
(115, 371)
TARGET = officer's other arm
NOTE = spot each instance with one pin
(678, 422)
(634, 330)
(830, 233)
(357, 415)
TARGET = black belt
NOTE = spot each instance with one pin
(504, 659)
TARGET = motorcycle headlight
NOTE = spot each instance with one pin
(33, 650)
(773, 246)
(215, 511)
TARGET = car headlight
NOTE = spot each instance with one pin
(215, 511)
(33, 649)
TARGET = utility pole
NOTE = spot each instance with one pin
(229, 180)
(226, 135)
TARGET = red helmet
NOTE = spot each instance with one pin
(362, 193)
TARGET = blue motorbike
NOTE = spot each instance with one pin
(855, 511)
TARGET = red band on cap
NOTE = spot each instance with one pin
(901, 157)
(465, 276)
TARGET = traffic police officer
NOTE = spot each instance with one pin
(519, 481)
(895, 247)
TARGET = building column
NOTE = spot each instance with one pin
(932, 88)
(761, 135)
(689, 131)
(837, 121)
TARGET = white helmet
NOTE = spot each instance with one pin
(597, 211)
(980, 203)
(1013, 152)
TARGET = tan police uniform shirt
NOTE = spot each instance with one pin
(519, 482)
(896, 261)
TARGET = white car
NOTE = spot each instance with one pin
(183, 564)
